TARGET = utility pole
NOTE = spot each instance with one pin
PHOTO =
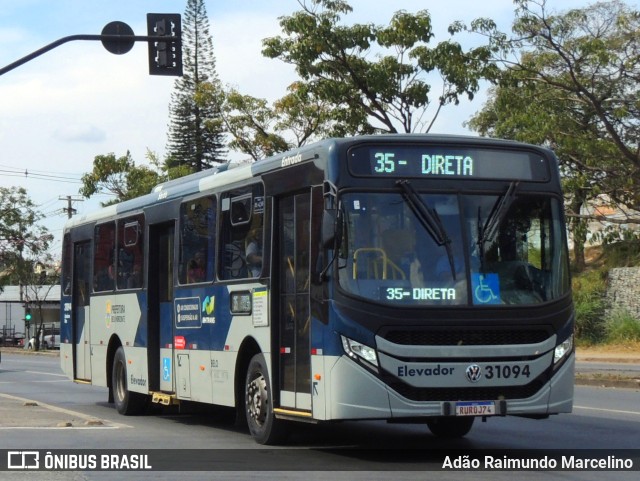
(69, 209)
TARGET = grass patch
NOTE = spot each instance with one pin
(589, 300)
(631, 347)
(621, 254)
(589, 289)
(622, 328)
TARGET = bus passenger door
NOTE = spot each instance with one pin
(160, 308)
(293, 263)
(81, 325)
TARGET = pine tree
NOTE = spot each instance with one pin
(195, 137)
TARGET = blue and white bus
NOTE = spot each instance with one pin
(408, 278)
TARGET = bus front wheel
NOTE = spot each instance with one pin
(127, 402)
(450, 427)
(258, 400)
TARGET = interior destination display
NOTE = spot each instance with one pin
(441, 161)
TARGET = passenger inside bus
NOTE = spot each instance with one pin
(253, 252)
(399, 246)
(129, 274)
(196, 268)
(105, 279)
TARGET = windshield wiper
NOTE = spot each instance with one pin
(487, 232)
(429, 219)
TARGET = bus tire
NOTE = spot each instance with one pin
(258, 403)
(127, 402)
(450, 427)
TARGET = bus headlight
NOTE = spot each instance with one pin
(359, 352)
(562, 349)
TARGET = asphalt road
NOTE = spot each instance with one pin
(41, 409)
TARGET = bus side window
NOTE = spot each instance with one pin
(104, 257)
(67, 267)
(235, 264)
(241, 233)
(130, 252)
(197, 240)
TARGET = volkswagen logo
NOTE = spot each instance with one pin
(474, 373)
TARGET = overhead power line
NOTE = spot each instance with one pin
(36, 176)
(38, 171)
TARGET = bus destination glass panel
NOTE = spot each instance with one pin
(438, 161)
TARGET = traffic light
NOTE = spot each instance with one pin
(117, 46)
(27, 314)
(165, 56)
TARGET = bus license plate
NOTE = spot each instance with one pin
(476, 408)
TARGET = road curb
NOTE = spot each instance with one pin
(599, 381)
(608, 359)
(23, 413)
(22, 351)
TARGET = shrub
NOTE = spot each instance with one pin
(622, 327)
(589, 301)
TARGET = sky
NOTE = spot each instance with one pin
(59, 111)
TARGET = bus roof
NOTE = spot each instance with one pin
(229, 173)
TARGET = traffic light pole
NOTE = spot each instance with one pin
(121, 43)
(71, 38)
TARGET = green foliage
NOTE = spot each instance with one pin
(571, 81)
(259, 129)
(589, 288)
(589, 302)
(623, 253)
(376, 78)
(250, 121)
(622, 327)
(22, 240)
(196, 137)
(588, 61)
(627, 241)
(118, 176)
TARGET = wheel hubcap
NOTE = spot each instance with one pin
(120, 381)
(257, 399)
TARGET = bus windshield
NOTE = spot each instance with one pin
(487, 251)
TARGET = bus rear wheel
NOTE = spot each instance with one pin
(127, 402)
(450, 427)
(258, 401)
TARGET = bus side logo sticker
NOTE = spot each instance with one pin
(208, 306)
(188, 312)
(107, 317)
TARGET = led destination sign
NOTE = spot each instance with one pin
(442, 161)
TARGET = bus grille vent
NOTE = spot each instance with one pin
(465, 337)
(467, 393)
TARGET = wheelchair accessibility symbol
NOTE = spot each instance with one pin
(166, 369)
(486, 288)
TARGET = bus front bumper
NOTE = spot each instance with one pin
(356, 393)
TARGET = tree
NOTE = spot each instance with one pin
(250, 122)
(531, 112)
(22, 241)
(584, 68)
(120, 177)
(260, 130)
(195, 137)
(387, 93)
(38, 281)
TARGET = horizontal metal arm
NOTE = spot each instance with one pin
(71, 38)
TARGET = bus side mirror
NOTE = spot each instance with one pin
(331, 236)
(329, 228)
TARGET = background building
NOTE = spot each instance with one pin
(43, 302)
